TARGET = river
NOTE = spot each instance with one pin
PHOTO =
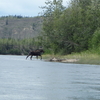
(22, 79)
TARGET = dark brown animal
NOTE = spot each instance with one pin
(36, 53)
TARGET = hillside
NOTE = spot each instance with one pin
(20, 27)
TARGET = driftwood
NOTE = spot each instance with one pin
(64, 60)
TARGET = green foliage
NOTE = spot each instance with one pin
(94, 43)
(18, 47)
(68, 30)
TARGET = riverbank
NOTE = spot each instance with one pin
(80, 58)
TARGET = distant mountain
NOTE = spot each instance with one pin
(20, 27)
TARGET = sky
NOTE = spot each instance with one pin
(29, 8)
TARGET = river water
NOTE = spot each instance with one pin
(22, 79)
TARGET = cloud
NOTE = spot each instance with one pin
(21, 7)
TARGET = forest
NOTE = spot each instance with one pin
(65, 30)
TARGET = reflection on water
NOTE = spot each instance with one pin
(22, 79)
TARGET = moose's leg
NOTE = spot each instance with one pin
(27, 56)
(31, 57)
(41, 57)
(37, 57)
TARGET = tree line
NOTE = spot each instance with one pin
(15, 16)
(19, 47)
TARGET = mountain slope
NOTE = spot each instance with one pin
(19, 28)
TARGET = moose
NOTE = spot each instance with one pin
(37, 52)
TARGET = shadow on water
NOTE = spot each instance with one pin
(22, 79)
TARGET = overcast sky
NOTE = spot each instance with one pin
(22, 7)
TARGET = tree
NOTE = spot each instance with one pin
(6, 21)
(51, 17)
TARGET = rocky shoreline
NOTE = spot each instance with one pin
(64, 60)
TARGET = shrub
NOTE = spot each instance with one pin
(94, 43)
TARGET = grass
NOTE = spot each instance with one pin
(86, 57)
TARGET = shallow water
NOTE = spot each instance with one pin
(22, 79)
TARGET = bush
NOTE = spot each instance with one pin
(94, 43)
(14, 52)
